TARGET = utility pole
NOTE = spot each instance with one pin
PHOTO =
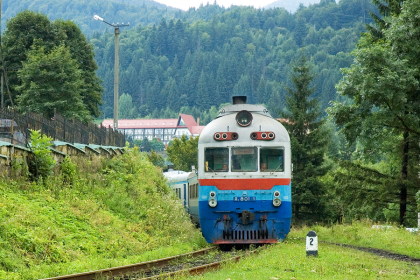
(116, 76)
(116, 65)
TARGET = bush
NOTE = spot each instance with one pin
(43, 163)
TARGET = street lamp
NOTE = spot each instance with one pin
(116, 65)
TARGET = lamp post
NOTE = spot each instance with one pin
(116, 65)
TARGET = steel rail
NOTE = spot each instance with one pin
(199, 269)
(122, 270)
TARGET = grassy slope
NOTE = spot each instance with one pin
(124, 214)
(361, 233)
(288, 261)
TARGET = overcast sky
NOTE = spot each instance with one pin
(186, 4)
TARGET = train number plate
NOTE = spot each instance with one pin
(244, 198)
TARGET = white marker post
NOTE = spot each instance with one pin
(311, 244)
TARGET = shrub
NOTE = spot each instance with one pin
(43, 162)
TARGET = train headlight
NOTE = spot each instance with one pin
(276, 202)
(212, 202)
(244, 118)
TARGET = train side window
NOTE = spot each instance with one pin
(272, 160)
(216, 160)
(244, 159)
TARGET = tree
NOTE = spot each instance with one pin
(386, 8)
(157, 145)
(183, 153)
(51, 80)
(156, 159)
(145, 145)
(308, 143)
(28, 27)
(383, 88)
(125, 107)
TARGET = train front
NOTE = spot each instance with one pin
(245, 177)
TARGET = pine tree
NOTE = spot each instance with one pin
(308, 142)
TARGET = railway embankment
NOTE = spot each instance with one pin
(83, 219)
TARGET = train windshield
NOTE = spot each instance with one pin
(272, 160)
(244, 159)
(217, 160)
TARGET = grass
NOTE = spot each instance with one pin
(123, 214)
(360, 233)
(288, 260)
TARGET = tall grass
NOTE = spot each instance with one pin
(123, 214)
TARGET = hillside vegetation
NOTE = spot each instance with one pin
(214, 53)
(123, 214)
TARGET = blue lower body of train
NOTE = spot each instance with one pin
(245, 216)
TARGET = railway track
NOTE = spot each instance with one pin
(193, 263)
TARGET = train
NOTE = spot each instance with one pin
(241, 190)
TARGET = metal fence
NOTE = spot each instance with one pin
(15, 129)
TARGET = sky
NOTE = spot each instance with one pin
(186, 4)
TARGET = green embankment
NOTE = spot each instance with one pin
(287, 260)
(123, 214)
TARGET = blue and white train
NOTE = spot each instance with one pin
(241, 193)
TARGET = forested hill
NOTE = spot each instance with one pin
(239, 50)
(82, 11)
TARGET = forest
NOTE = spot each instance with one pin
(200, 64)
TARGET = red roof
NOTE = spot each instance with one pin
(143, 123)
(188, 120)
(197, 129)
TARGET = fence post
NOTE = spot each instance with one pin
(11, 128)
(74, 129)
(27, 125)
(55, 124)
(64, 130)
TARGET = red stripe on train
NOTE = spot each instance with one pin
(245, 184)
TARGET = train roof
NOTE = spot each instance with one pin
(176, 175)
(231, 109)
(226, 122)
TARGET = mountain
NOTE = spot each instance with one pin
(82, 11)
(290, 6)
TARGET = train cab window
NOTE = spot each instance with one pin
(272, 160)
(216, 160)
(244, 159)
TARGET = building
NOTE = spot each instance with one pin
(162, 129)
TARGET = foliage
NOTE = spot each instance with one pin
(51, 81)
(28, 35)
(144, 12)
(126, 110)
(383, 110)
(201, 63)
(183, 153)
(68, 171)
(145, 145)
(309, 141)
(157, 145)
(156, 159)
(122, 215)
(43, 160)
